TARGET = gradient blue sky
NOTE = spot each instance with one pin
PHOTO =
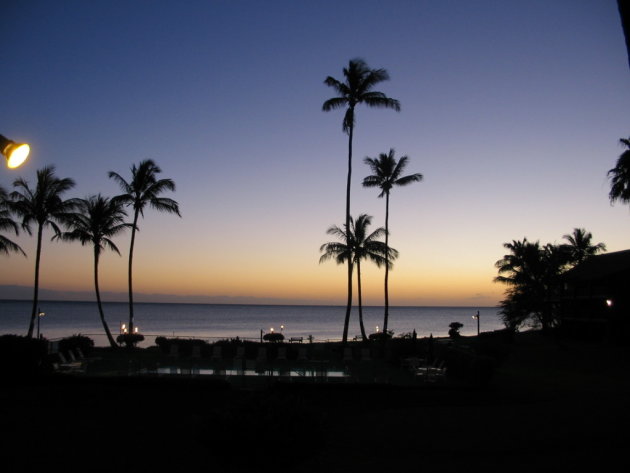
(511, 110)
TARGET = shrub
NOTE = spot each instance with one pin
(184, 345)
(273, 337)
(22, 355)
(454, 329)
(129, 339)
(86, 344)
(381, 335)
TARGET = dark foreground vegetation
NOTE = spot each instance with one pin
(550, 403)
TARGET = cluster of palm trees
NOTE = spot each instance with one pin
(94, 220)
(356, 243)
(533, 273)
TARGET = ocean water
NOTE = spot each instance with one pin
(220, 321)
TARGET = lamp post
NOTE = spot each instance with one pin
(15, 153)
(40, 314)
(476, 317)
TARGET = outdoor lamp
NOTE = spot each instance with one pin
(16, 153)
(477, 318)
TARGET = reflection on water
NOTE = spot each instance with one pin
(320, 372)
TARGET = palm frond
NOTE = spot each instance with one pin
(7, 246)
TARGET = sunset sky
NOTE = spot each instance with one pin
(511, 110)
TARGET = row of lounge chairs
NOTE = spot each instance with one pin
(69, 361)
(419, 367)
(303, 354)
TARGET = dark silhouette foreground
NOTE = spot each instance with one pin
(552, 405)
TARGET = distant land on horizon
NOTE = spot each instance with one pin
(14, 292)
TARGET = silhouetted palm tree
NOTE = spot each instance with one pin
(96, 221)
(357, 88)
(355, 246)
(387, 174)
(44, 207)
(7, 223)
(620, 176)
(143, 190)
(580, 246)
(532, 273)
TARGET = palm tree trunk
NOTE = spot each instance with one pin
(133, 239)
(111, 340)
(38, 253)
(363, 334)
(349, 301)
(386, 317)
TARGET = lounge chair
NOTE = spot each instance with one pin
(63, 364)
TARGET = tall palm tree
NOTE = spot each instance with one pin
(44, 207)
(141, 191)
(620, 176)
(580, 246)
(357, 88)
(7, 223)
(357, 245)
(96, 221)
(387, 174)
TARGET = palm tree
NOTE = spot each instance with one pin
(143, 190)
(97, 220)
(44, 207)
(580, 246)
(357, 88)
(620, 176)
(387, 174)
(355, 246)
(6, 223)
(532, 273)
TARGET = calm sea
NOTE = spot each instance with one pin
(219, 321)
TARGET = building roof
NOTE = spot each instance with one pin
(600, 267)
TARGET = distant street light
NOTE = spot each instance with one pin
(15, 153)
(476, 316)
(40, 314)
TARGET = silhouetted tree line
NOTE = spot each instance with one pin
(94, 220)
(533, 274)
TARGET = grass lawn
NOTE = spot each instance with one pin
(550, 405)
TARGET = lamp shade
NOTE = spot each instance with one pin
(16, 153)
